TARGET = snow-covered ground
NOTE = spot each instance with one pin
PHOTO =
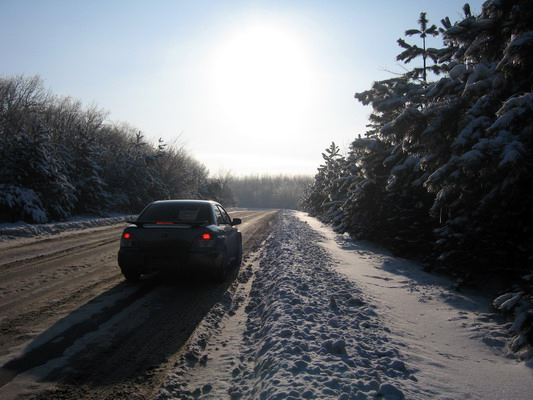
(16, 230)
(318, 316)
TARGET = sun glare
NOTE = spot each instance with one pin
(262, 80)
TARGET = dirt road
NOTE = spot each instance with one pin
(71, 327)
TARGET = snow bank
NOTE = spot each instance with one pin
(309, 333)
(23, 229)
(458, 347)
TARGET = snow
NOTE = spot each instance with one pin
(526, 38)
(458, 71)
(9, 231)
(512, 111)
(507, 301)
(481, 71)
(471, 131)
(457, 346)
(325, 317)
(473, 156)
(13, 196)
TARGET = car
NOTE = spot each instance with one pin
(180, 236)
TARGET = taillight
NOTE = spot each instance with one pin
(128, 240)
(204, 240)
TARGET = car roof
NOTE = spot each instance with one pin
(184, 201)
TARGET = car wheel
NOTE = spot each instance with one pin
(132, 275)
(222, 273)
(238, 259)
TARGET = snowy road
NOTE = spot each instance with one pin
(70, 327)
(310, 315)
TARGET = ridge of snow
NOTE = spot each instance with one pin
(309, 333)
(326, 317)
(22, 229)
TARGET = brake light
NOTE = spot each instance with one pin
(204, 240)
(164, 223)
(128, 240)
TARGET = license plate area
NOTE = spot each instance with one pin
(163, 262)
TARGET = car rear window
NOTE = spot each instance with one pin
(176, 213)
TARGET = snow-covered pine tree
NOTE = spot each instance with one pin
(483, 187)
(413, 51)
(364, 206)
(453, 151)
(402, 221)
(482, 184)
(319, 200)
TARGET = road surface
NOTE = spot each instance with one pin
(309, 315)
(71, 327)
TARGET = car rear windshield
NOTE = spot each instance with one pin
(168, 212)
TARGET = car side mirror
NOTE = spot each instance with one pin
(236, 221)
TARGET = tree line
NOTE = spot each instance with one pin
(58, 159)
(270, 191)
(443, 172)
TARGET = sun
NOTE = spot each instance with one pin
(262, 79)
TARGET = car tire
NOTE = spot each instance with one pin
(222, 273)
(238, 259)
(132, 275)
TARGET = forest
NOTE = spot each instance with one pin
(58, 159)
(443, 173)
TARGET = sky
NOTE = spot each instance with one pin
(249, 87)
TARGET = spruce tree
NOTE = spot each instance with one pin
(413, 51)
(444, 173)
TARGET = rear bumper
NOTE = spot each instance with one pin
(202, 260)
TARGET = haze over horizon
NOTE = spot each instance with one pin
(248, 86)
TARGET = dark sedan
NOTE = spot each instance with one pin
(180, 235)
